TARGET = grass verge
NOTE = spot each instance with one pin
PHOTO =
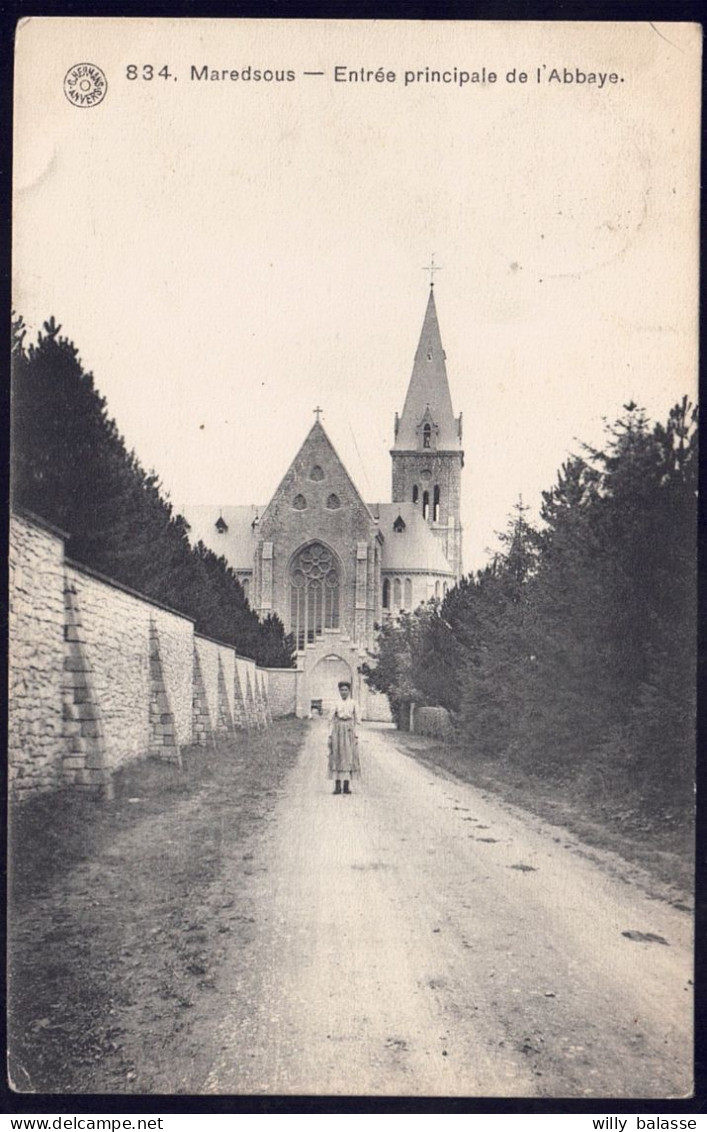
(663, 846)
(121, 914)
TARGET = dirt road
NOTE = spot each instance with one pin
(423, 938)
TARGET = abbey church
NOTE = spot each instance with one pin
(331, 566)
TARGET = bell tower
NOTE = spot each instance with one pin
(427, 453)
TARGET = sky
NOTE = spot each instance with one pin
(227, 255)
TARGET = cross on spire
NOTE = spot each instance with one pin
(432, 268)
(317, 411)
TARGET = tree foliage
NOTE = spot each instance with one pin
(71, 467)
(573, 653)
(397, 659)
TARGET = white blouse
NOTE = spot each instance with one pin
(346, 709)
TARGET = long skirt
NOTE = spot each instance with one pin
(343, 750)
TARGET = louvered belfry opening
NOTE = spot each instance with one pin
(314, 593)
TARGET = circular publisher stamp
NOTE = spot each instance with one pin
(85, 85)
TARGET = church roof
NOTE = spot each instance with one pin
(412, 548)
(428, 391)
(234, 537)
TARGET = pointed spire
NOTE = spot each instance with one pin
(428, 401)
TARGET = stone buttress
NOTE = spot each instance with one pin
(202, 730)
(84, 764)
(162, 733)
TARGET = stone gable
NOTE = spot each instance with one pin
(317, 491)
(317, 502)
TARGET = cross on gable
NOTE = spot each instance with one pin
(318, 411)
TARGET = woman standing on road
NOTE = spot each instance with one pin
(343, 741)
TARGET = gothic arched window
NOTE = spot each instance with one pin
(425, 504)
(408, 594)
(314, 593)
(427, 436)
(435, 508)
(397, 595)
(317, 473)
(386, 594)
(333, 502)
(299, 503)
(415, 493)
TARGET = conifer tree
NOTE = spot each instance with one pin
(573, 653)
(71, 467)
(393, 672)
(498, 668)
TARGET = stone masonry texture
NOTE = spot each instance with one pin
(286, 528)
(36, 660)
(202, 728)
(224, 717)
(85, 764)
(163, 735)
(117, 629)
(99, 676)
(282, 688)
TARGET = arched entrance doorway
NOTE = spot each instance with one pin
(324, 680)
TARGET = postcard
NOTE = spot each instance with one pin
(352, 557)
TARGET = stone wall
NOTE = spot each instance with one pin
(374, 705)
(36, 659)
(100, 675)
(140, 660)
(207, 657)
(246, 698)
(282, 691)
